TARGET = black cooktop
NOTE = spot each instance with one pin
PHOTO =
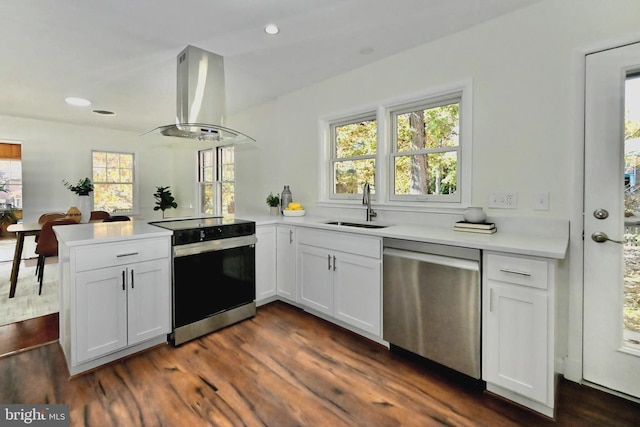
(194, 230)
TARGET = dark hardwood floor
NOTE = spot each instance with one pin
(283, 368)
(21, 336)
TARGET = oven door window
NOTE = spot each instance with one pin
(211, 282)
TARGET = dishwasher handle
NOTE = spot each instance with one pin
(464, 264)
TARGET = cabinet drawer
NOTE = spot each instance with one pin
(351, 243)
(112, 254)
(522, 271)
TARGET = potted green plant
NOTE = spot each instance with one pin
(273, 201)
(164, 199)
(82, 189)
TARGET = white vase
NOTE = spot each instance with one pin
(475, 215)
(84, 204)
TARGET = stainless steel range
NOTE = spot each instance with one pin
(214, 281)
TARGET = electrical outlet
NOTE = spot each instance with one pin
(511, 200)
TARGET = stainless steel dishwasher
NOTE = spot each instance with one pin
(432, 302)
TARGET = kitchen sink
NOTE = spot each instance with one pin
(355, 224)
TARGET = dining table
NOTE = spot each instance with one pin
(22, 230)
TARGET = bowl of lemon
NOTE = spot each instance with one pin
(293, 209)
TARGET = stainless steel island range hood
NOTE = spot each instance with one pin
(201, 100)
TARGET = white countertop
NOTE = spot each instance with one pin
(86, 234)
(553, 244)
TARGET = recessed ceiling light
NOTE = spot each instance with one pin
(78, 102)
(271, 29)
(104, 112)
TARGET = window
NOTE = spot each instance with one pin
(414, 151)
(353, 155)
(216, 180)
(426, 151)
(206, 181)
(113, 181)
(10, 175)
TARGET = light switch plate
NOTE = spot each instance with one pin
(541, 201)
(503, 200)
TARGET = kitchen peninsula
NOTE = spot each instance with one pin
(115, 291)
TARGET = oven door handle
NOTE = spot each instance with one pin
(213, 245)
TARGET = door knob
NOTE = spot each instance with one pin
(600, 237)
(601, 214)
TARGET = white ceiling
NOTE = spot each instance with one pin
(121, 54)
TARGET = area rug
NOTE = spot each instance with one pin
(27, 303)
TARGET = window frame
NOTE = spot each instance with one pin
(423, 104)
(134, 184)
(385, 184)
(202, 182)
(217, 182)
(352, 119)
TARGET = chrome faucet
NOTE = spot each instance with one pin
(366, 200)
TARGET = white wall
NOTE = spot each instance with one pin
(521, 69)
(52, 152)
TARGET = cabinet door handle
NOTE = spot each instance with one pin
(290, 236)
(328, 262)
(132, 279)
(334, 263)
(127, 254)
(124, 278)
(520, 273)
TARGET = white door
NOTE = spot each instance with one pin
(149, 300)
(315, 271)
(357, 291)
(265, 262)
(286, 263)
(516, 349)
(101, 312)
(611, 212)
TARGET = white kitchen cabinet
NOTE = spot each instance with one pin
(339, 274)
(120, 306)
(265, 263)
(115, 292)
(357, 292)
(518, 347)
(316, 278)
(286, 263)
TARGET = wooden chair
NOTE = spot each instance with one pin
(96, 215)
(115, 218)
(49, 216)
(48, 245)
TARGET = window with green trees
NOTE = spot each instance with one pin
(113, 181)
(414, 151)
(354, 148)
(426, 151)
